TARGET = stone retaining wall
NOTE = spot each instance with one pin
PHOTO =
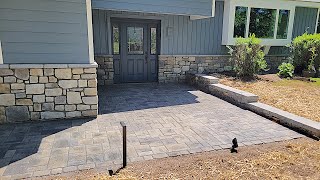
(39, 92)
(105, 69)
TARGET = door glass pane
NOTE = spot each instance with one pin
(283, 24)
(135, 40)
(115, 40)
(262, 22)
(153, 40)
(240, 21)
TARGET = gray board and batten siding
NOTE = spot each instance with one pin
(182, 36)
(179, 7)
(179, 34)
(304, 21)
(44, 31)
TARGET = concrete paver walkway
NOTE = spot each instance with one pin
(162, 121)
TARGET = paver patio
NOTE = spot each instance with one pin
(162, 120)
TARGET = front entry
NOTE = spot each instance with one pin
(136, 49)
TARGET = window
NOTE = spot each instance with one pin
(240, 21)
(262, 22)
(135, 40)
(271, 21)
(115, 39)
(283, 22)
(153, 41)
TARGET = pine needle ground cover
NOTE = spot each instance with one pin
(295, 159)
(298, 97)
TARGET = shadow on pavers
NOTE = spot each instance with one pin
(131, 97)
(19, 141)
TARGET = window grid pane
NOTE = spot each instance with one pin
(283, 23)
(115, 39)
(135, 40)
(153, 41)
(240, 21)
(262, 22)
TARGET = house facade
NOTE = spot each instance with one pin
(54, 53)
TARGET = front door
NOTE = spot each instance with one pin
(138, 52)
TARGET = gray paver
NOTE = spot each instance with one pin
(162, 121)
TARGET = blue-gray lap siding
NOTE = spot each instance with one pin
(196, 37)
(181, 7)
(44, 31)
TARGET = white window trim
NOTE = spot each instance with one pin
(317, 22)
(229, 17)
(1, 56)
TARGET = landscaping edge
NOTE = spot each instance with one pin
(245, 100)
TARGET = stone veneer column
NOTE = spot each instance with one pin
(105, 70)
(47, 91)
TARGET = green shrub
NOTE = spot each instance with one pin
(286, 70)
(247, 57)
(305, 51)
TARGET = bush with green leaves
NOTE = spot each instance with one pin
(286, 70)
(305, 51)
(247, 56)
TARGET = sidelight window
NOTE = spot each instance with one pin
(153, 35)
(115, 39)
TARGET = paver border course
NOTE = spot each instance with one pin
(245, 100)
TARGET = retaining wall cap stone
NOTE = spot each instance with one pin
(236, 94)
(286, 117)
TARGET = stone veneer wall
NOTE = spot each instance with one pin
(274, 62)
(105, 69)
(176, 68)
(39, 92)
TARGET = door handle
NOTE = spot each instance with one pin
(146, 58)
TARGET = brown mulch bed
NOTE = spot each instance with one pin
(295, 159)
(295, 96)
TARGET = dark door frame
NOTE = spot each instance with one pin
(121, 23)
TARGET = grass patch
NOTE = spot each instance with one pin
(296, 83)
(317, 81)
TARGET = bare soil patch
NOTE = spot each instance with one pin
(295, 96)
(294, 159)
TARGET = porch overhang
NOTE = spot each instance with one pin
(199, 8)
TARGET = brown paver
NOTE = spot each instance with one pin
(162, 120)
